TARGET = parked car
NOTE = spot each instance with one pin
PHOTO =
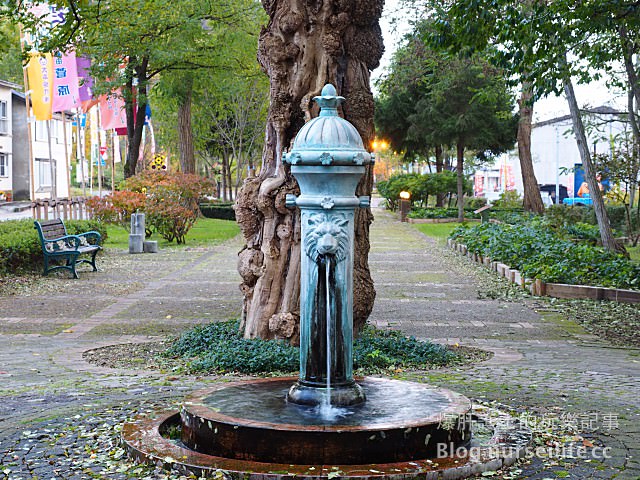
(585, 200)
(550, 188)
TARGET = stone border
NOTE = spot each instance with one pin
(542, 289)
(144, 440)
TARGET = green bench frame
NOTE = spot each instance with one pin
(58, 245)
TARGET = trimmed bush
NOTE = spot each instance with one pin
(436, 212)
(20, 250)
(221, 210)
(421, 187)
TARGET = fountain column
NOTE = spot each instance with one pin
(327, 159)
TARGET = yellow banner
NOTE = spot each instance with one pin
(40, 73)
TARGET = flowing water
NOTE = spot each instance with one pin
(325, 409)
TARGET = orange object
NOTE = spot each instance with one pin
(583, 190)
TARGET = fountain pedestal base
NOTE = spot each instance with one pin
(250, 420)
(347, 395)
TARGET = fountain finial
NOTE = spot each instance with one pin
(329, 101)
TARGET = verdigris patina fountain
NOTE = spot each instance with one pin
(327, 159)
(325, 423)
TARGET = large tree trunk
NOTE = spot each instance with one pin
(185, 133)
(606, 233)
(460, 178)
(532, 198)
(629, 50)
(439, 167)
(135, 116)
(304, 46)
(223, 175)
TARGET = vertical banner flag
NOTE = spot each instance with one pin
(478, 184)
(65, 82)
(40, 73)
(82, 66)
(112, 113)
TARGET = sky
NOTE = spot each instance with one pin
(396, 22)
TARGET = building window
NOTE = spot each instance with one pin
(4, 165)
(4, 120)
(43, 170)
(41, 131)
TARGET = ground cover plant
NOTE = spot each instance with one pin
(540, 252)
(220, 348)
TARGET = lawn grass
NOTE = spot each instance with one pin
(206, 232)
(439, 231)
(634, 253)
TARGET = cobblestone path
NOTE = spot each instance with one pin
(51, 400)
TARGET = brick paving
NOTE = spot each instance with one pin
(47, 390)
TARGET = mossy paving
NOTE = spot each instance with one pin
(548, 366)
(562, 365)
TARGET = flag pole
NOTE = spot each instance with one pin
(114, 141)
(32, 182)
(67, 162)
(80, 147)
(100, 131)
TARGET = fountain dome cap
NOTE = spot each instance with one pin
(328, 139)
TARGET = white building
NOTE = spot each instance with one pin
(555, 155)
(49, 167)
(6, 144)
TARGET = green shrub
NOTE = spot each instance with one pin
(474, 203)
(421, 187)
(560, 215)
(437, 212)
(219, 347)
(20, 249)
(220, 210)
(539, 252)
(509, 199)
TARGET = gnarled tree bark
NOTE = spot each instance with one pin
(306, 44)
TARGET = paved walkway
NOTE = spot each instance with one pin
(51, 400)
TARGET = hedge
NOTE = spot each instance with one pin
(221, 210)
(20, 250)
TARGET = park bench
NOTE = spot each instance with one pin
(58, 245)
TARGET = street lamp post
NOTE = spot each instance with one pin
(404, 205)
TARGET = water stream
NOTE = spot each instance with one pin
(325, 409)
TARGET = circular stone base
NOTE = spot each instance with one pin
(500, 442)
(251, 420)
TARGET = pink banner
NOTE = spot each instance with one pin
(65, 83)
(112, 113)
